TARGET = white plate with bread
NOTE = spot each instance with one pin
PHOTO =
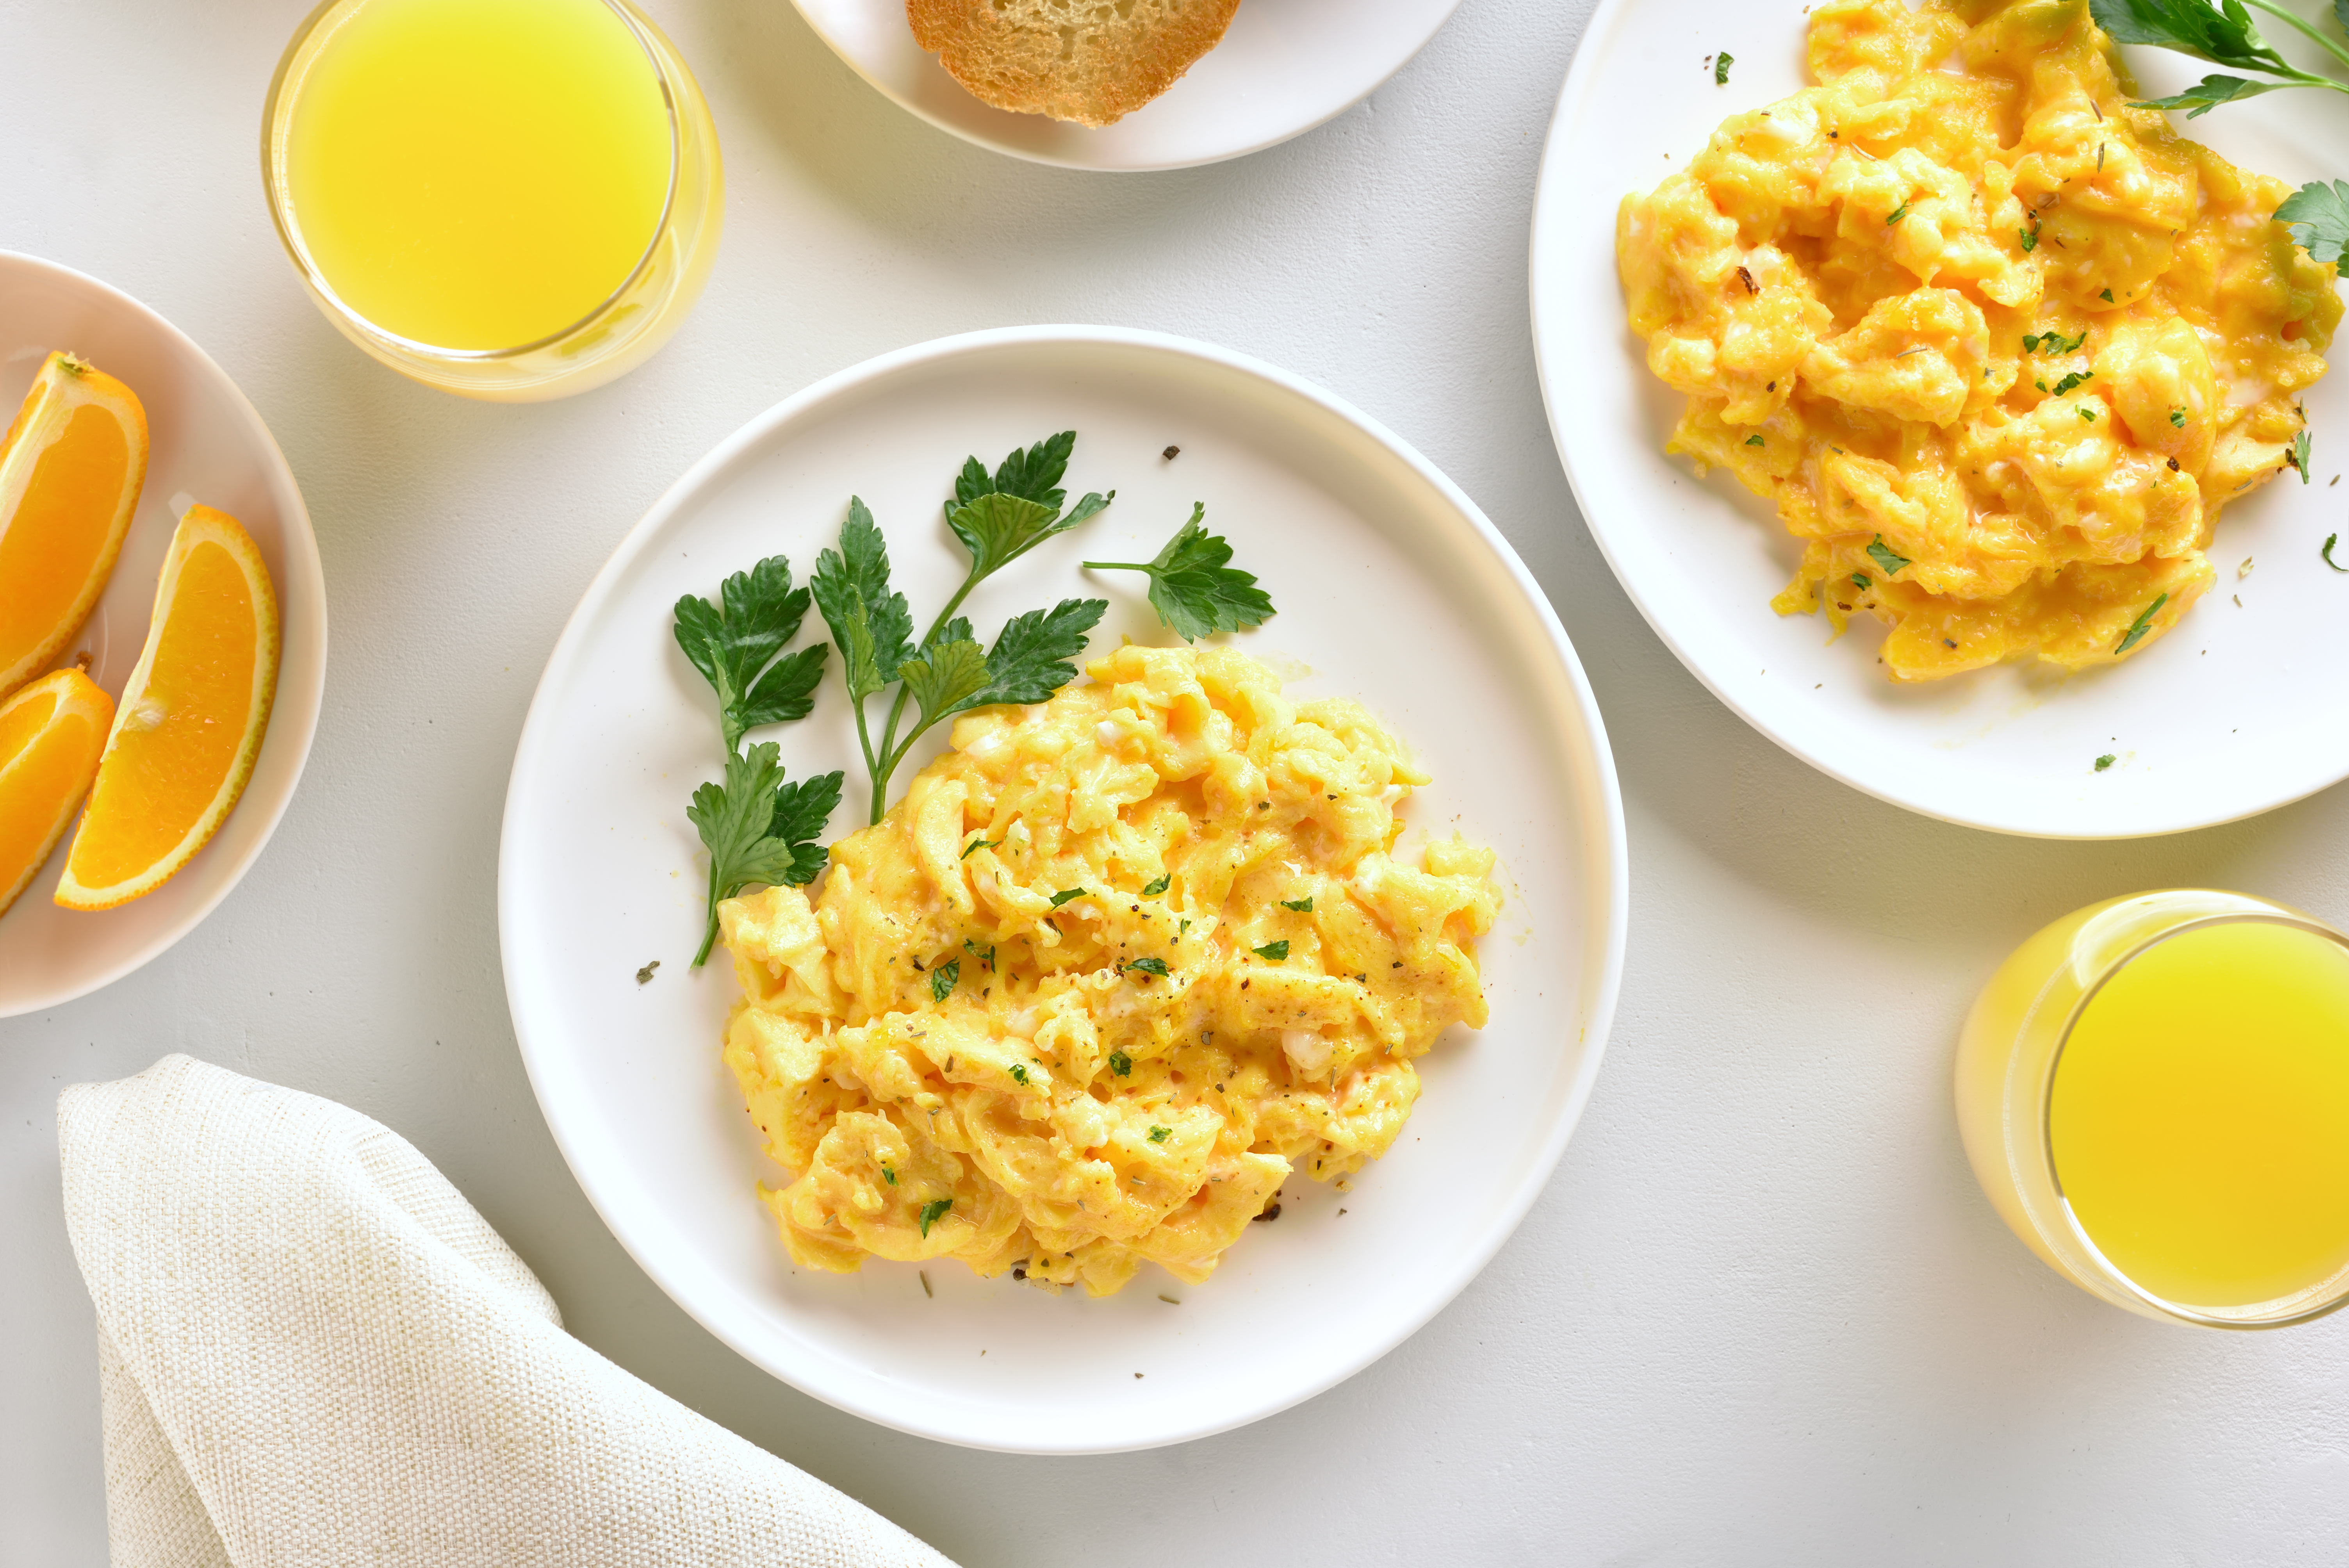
(1245, 76)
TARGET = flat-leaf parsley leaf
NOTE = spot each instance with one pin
(943, 978)
(759, 830)
(1194, 586)
(2318, 216)
(1273, 950)
(735, 645)
(932, 1213)
(1885, 556)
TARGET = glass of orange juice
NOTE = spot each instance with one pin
(506, 199)
(2154, 1091)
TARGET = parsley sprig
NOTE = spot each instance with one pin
(998, 518)
(2224, 34)
(758, 829)
(1194, 586)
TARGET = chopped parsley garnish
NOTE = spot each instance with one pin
(1065, 895)
(1721, 64)
(888, 1175)
(2299, 460)
(943, 978)
(2106, 295)
(2142, 624)
(999, 519)
(984, 954)
(1154, 888)
(1301, 905)
(2177, 419)
(1897, 213)
(1885, 557)
(976, 845)
(2327, 553)
(1860, 579)
(933, 1212)
(2089, 413)
(1194, 586)
(1753, 440)
(1150, 966)
(1272, 950)
(2105, 761)
(2074, 379)
(1160, 1134)
(758, 829)
(1120, 1063)
(2030, 238)
(1019, 1073)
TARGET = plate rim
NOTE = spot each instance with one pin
(1610, 839)
(1548, 227)
(301, 717)
(976, 137)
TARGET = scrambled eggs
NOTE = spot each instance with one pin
(1998, 346)
(1114, 966)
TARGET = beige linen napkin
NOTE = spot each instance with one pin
(312, 1350)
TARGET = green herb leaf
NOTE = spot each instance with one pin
(2074, 379)
(2221, 34)
(1897, 214)
(1860, 579)
(2105, 761)
(1273, 950)
(1149, 966)
(2177, 419)
(932, 1213)
(2327, 553)
(1160, 1134)
(889, 1175)
(2209, 93)
(1034, 654)
(976, 845)
(2300, 446)
(1154, 888)
(1065, 895)
(943, 978)
(2142, 624)
(947, 678)
(984, 954)
(2029, 238)
(735, 641)
(869, 621)
(1121, 1064)
(2106, 294)
(2087, 413)
(1019, 1073)
(1753, 441)
(1194, 586)
(1301, 905)
(759, 830)
(1885, 557)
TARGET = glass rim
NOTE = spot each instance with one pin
(284, 91)
(2330, 1294)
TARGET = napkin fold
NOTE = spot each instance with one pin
(313, 1350)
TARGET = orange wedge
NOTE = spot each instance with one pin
(70, 468)
(50, 734)
(190, 720)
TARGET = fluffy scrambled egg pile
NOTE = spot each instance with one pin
(1998, 346)
(1114, 966)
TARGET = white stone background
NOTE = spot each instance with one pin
(1761, 1314)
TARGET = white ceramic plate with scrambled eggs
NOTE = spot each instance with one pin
(1391, 589)
(1283, 68)
(2241, 708)
(205, 443)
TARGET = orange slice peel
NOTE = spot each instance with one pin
(190, 720)
(71, 466)
(51, 733)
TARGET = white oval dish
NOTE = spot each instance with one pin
(205, 443)
(1392, 588)
(1283, 68)
(2235, 712)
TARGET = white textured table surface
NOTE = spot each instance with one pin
(1762, 1314)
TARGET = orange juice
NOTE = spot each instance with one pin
(2154, 1092)
(2200, 1114)
(478, 174)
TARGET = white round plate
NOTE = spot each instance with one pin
(205, 443)
(2235, 712)
(1392, 588)
(1283, 68)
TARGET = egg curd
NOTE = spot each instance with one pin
(1114, 967)
(1998, 346)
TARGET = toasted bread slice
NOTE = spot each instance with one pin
(1090, 61)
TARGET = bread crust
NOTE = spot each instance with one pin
(1089, 61)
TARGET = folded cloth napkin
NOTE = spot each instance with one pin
(312, 1350)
